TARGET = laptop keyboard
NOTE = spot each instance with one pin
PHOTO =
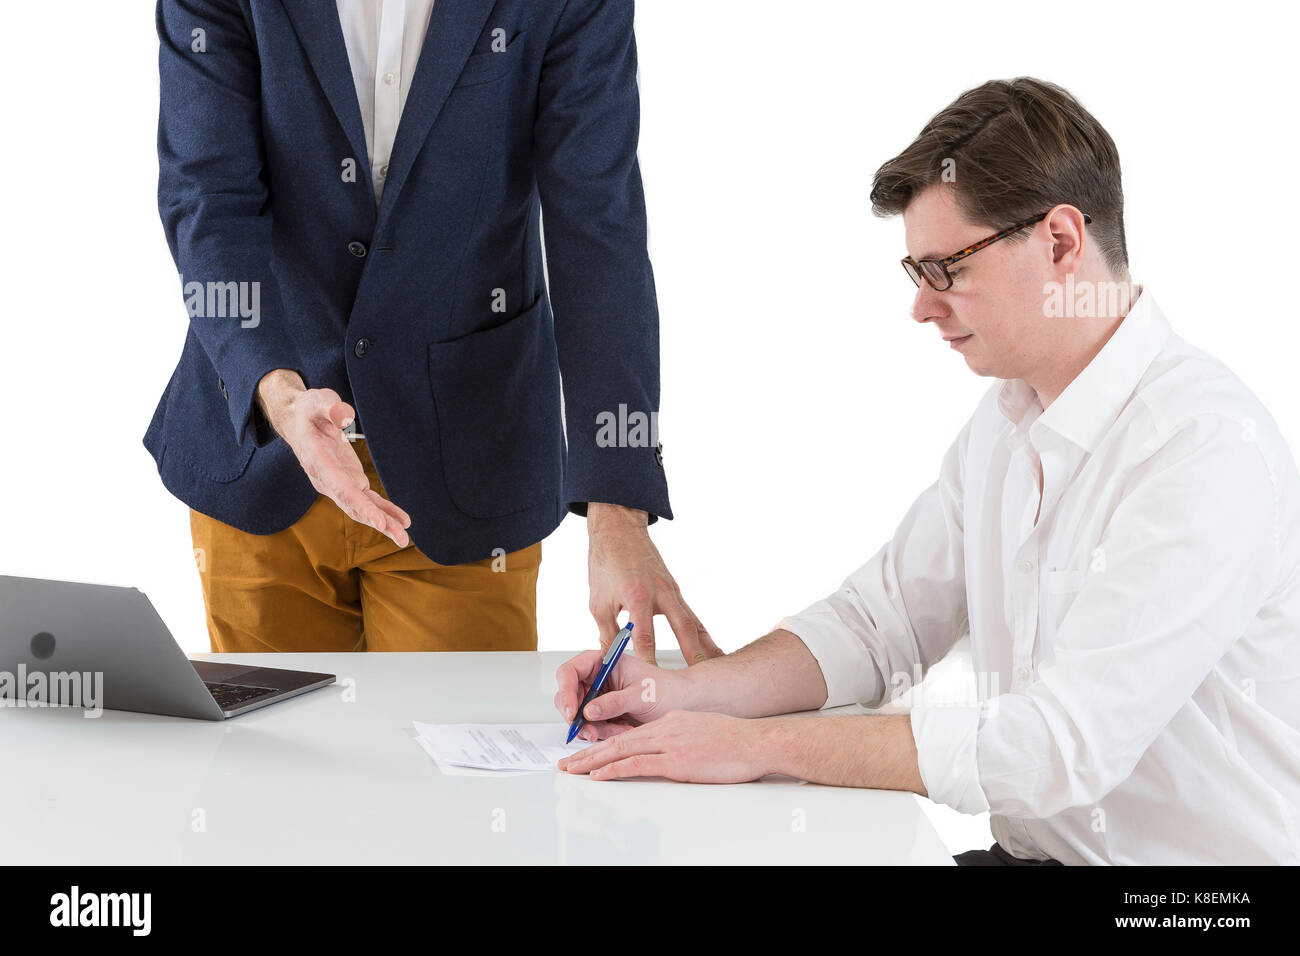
(229, 696)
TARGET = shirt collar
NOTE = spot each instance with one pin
(1093, 400)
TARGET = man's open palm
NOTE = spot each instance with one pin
(312, 422)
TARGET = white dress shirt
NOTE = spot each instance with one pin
(384, 39)
(1136, 649)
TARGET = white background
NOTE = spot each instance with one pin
(803, 410)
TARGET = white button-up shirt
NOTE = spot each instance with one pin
(383, 39)
(1136, 642)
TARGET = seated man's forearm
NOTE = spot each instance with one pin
(853, 751)
(776, 674)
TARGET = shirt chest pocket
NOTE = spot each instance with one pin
(1059, 589)
(1065, 582)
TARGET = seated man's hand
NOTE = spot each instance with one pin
(635, 692)
(685, 746)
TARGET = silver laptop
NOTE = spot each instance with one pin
(57, 634)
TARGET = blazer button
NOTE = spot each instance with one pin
(358, 249)
(222, 385)
(362, 347)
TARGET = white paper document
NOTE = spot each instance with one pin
(505, 748)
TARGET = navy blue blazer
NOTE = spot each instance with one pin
(429, 314)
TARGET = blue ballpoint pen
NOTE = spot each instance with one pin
(606, 665)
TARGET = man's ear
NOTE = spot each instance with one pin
(1065, 225)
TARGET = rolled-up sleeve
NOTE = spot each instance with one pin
(904, 608)
(1189, 552)
(945, 739)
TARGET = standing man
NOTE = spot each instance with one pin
(1117, 528)
(365, 420)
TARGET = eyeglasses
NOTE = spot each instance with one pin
(935, 271)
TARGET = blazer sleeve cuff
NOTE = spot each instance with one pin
(633, 478)
(245, 412)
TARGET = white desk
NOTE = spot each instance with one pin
(318, 779)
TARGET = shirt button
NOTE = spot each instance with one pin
(358, 249)
(383, 171)
(390, 78)
(1023, 673)
(1026, 566)
(362, 347)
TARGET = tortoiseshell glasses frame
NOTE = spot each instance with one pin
(935, 271)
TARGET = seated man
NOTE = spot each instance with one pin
(1117, 527)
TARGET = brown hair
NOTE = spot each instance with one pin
(1016, 148)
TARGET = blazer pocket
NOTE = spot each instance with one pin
(209, 458)
(497, 397)
(490, 65)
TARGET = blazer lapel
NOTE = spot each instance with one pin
(321, 35)
(454, 25)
